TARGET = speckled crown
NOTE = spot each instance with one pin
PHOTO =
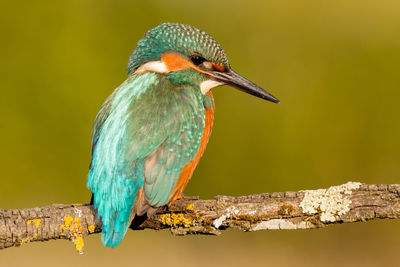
(184, 39)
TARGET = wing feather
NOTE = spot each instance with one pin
(164, 166)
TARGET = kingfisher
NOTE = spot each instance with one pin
(151, 132)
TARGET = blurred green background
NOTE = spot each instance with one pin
(334, 66)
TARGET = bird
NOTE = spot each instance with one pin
(151, 132)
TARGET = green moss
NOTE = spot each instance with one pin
(251, 218)
(286, 210)
(313, 220)
(207, 221)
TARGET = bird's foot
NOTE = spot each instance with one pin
(180, 196)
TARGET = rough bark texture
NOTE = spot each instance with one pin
(351, 202)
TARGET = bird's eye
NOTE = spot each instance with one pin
(197, 60)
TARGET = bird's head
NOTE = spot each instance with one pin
(174, 49)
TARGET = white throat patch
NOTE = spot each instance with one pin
(207, 85)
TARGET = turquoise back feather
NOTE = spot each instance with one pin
(145, 133)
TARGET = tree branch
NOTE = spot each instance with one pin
(351, 202)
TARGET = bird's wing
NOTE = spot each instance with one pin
(164, 175)
(142, 139)
(164, 166)
(102, 115)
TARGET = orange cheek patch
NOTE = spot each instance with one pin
(218, 67)
(175, 62)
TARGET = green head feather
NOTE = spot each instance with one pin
(175, 37)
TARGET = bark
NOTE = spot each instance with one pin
(351, 202)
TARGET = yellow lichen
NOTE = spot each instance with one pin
(190, 207)
(24, 241)
(79, 244)
(73, 225)
(175, 220)
(68, 220)
(76, 230)
(91, 228)
(35, 221)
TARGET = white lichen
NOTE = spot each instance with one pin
(278, 224)
(330, 202)
(78, 211)
(252, 212)
(229, 211)
(232, 210)
(218, 222)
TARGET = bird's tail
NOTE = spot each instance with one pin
(115, 229)
(115, 225)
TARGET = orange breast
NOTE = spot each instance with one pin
(188, 170)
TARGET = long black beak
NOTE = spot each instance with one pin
(236, 80)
